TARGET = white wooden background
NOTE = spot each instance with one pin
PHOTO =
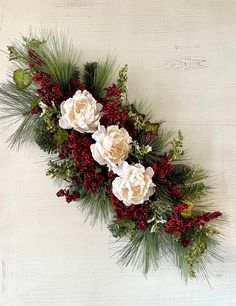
(182, 58)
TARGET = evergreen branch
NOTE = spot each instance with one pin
(15, 106)
(89, 75)
(96, 207)
(104, 75)
(186, 174)
(24, 134)
(59, 59)
(14, 102)
(142, 251)
(160, 143)
(194, 191)
(43, 138)
(195, 258)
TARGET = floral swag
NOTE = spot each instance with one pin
(117, 163)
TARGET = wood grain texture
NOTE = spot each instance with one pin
(181, 57)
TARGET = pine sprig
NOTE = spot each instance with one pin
(89, 76)
(15, 103)
(104, 75)
(186, 174)
(194, 191)
(142, 251)
(96, 207)
(196, 258)
(43, 138)
(59, 59)
(160, 144)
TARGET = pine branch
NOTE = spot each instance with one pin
(194, 191)
(96, 207)
(195, 259)
(59, 58)
(186, 174)
(141, 251)
(160, 143)
(43, 138)
(104, 75)
(89, 75)
(14, 102)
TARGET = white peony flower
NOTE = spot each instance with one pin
(81, 112)
(134, 184)
(112, 145)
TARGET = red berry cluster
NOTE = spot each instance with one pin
(113, 113)
(174, 190)
(178, 225)
(112, 92)
(77, 146)
(163, 166)
(49, 90)
(138, 213)
(206, 217)
(69, 196)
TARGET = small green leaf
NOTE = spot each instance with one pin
(60, 137)
(126, 223)
(98, 169)
(22, 79)
(186, 213)
(36, 101)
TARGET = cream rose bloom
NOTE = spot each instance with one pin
(81, 112)
(112, 145)
(134, 184)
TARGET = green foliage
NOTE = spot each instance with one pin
(59, 58)
(43, 138)
(161, 142)
(13, 53)
(24, 133)
(186, 174)
(104, 75)
(15, 107)
(57, 55)
(176, 150)
(190, 179)
(96, 207)
(122, 80)
(159, 212)
(89, 75)
(22, 78)
(195, 258)
(48, 134)
(121, 227)
(140, 152)
(15, 103)
(59, 137)
(61, 169)
(194, 191)
(142, 251)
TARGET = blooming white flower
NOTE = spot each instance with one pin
(81, 112)
(134, 183)
(112, 145)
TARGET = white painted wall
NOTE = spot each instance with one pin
(182, 58)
